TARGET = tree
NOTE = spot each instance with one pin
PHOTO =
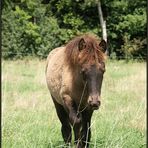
(102, 21)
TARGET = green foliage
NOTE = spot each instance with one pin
(127, 26)
(21, 36)
(12, 32)
(30, 27)
(134, 48)
(50, 36)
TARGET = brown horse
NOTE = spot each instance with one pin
(74, 75)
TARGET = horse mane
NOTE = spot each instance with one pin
(92, 46)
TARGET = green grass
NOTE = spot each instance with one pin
(29, 119)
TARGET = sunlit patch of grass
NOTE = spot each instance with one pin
(29, 118)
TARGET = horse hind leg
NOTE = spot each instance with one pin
(64, 119)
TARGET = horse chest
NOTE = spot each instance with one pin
(80, 95)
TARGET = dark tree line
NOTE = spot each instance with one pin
(34, 27)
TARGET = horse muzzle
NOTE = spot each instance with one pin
(94, 102)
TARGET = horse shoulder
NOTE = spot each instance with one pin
(67, 81)
(54, 66)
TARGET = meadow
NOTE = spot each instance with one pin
(29, 119)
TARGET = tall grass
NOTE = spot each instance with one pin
(29, 119)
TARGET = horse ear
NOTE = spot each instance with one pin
(103, 45)
(82, 44)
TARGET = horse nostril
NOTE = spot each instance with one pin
(90, 101)
(99, 102)
(95, 104)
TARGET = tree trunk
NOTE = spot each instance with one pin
(102, 21)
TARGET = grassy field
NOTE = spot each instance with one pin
(29, 119)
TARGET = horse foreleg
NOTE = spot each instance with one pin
(63, 116)
(69, 106)
(86, 130)
(76, 128)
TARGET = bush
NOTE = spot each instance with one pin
(50, 36)
(134, 48)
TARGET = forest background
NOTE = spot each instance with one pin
(35, 27)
